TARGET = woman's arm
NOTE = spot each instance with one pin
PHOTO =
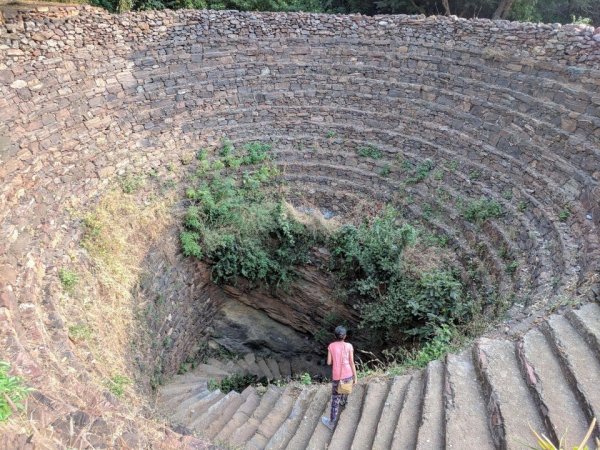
(329, 360)
(355, 379)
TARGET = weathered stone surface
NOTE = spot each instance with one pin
(507, 111)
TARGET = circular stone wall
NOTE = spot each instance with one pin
(501, 110)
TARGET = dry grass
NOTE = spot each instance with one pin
(425, 258)
(314, 221)
(117, 235)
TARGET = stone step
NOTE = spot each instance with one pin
(264, 369)
(511, 407)
(274, 368)
(405, 433)
(176, 387)
(240, 436)
(203, 371)
(299, 366)
(321, 435)
(587, 321)
(213, 428)
(286, 431)
(579, 363)
(243, 365)
(240, 417)
(250, 361)
(285, 368)
(311, 419)
(171, 398)
(466, 414)
(234, 368)
(432, 427)
(221, 365)
(187, 409)
(556, 399)
(348, 420)
(202, 419)
(271, 423)
(375, 399)
(390, 412)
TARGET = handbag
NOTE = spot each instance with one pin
(344, 388)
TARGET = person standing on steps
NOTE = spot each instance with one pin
(340, 355)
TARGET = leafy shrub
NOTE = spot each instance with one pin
(385, 170)
(478, 211)
(305, 379)
(395, 303)
(241, 229)
(68, 279)
(421, 172)
(116, 384)
(370, 151)
(12, 392)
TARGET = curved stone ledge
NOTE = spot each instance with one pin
(87, 97)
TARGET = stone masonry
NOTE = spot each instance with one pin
(509, 111)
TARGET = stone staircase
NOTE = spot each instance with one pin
(486, 397)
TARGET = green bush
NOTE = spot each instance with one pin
(305, 379)
(239, 227)
(12, 392)
(478, 211)
(116, 384)
(421, 172)
(395, 303)
(370, 151)
(68, 279)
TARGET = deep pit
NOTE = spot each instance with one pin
(459, 110)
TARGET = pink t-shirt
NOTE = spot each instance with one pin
(340, 356)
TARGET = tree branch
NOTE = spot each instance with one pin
(503, 9)
(446, 5)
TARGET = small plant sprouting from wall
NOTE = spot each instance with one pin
(305, 379)
(385, 170)
(421, 171)
(131, 183)
(68, 279)
(369, 151)
(80, 332)
(13, 392)
(564, 214)
(116, 384)
(478, 211)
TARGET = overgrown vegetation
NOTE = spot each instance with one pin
(13, 392)
(395, 300)
(441, 344)
(241, 226)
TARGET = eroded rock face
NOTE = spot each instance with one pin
(305, 306)
(284, 321)
(243, 329)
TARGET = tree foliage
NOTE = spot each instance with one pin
(562, 11)
(396, 301)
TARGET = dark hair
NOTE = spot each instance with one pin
(340, 332)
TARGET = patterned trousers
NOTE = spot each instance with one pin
(336, 399)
